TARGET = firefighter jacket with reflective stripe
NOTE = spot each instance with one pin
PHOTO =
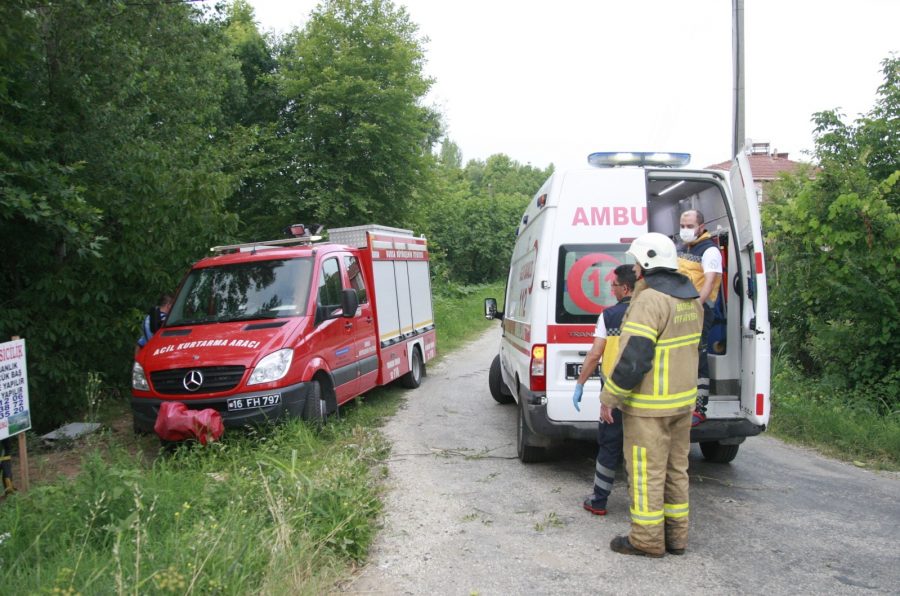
(690, 264)
(656, 371)
(612, 319)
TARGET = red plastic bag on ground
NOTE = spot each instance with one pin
(175, 422)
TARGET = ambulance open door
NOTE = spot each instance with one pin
(750, 282)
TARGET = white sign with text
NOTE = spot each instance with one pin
(15, 416)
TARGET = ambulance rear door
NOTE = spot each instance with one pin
(750, 282)
(600, 211)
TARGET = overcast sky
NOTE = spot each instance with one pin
(549, 83)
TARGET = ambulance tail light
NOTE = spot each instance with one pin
(538, 368)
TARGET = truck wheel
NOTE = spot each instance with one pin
(495, 382)
(316, 408)
(527, 453)
(716, 452)
(413, 378)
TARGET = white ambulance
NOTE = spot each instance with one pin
(573, 235)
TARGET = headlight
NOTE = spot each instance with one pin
(138, 379)
(272, 367)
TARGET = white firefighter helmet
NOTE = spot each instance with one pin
(654, 250)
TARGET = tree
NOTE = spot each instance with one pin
(112, 129)
(451, 156)
(472, 216)
(354, 136)
(834, 243)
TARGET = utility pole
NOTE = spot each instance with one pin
(737, 58)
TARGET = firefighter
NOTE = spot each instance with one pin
(654, 384)
(701, 261)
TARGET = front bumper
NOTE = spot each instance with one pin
(293, 400)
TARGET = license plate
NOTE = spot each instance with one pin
(573, 371)
(256, 401)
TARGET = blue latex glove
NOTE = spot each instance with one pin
(576, 397)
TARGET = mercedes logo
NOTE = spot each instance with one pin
(193, 380)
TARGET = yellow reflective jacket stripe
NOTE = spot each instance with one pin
(655, 402)
(638, 329)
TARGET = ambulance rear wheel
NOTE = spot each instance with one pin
(527, 453)
(495, 382)
(718, 453)
(316, 408)
(413, 378)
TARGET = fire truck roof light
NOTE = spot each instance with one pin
(612, 159)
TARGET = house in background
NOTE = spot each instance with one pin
(765, 164)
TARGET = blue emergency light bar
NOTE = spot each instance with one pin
(612, 159)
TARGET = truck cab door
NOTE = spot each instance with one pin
(364, 335)
(336, 339)
(750, 283)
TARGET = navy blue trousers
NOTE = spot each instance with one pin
(609, 452)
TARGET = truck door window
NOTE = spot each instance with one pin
(330, 286)
(354, 273)
(584, 280)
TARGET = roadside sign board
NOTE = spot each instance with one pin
(15, 416)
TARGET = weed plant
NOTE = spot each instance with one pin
(816, 412)
(459, 312)
(284, 509)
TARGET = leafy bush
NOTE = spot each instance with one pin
(834, 245)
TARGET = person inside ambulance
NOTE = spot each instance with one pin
(701, 261)
(654, 384)
(606, 348)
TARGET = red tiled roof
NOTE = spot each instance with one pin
(764, 167)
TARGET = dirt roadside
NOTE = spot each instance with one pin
(63, 460)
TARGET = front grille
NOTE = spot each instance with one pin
(215, 379)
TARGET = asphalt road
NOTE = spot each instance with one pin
(464, 516)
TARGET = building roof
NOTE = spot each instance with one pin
(765, 166)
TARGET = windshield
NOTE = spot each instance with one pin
(242, 292)
(584, 282)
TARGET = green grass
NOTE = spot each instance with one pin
(838, 423)
(281, 510)
(459, 312)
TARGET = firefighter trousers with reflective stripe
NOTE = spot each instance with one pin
(656, 457)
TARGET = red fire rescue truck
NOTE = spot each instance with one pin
(291, 327)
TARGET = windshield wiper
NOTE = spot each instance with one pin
(252, 317)
(183, 322)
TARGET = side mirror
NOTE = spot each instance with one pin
(490, 310)
(349, 303)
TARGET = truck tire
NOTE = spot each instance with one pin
(495, 382)
(413, 378)
(527, 453)
(315, 409)
(716, 452)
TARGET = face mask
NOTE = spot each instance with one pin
(687, 235)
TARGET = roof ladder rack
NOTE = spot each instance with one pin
(252, 246)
